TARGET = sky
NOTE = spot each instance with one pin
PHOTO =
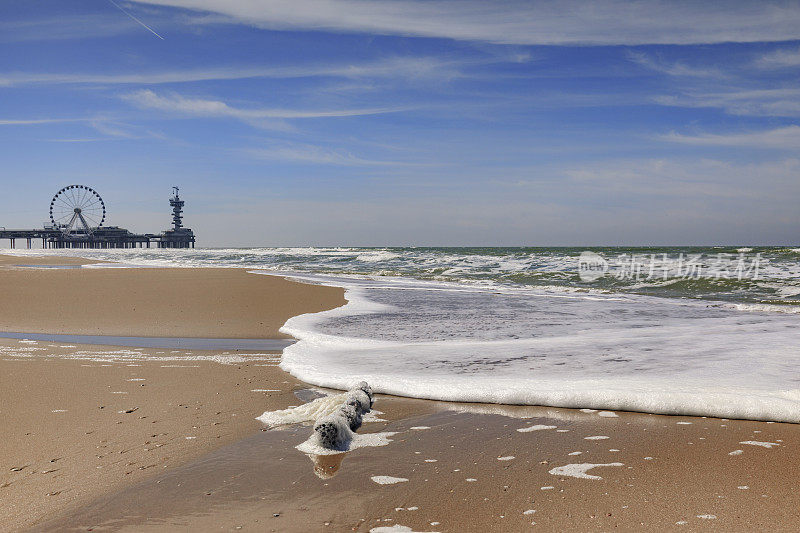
(409, 122)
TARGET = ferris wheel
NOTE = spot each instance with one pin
(77, 210)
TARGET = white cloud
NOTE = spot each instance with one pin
(783, 102)
(674, 69)
(175, 103)
(37, 121)
(110, 128)
(412, 69)
(318, 155)
(780, 138)
(780, 59)
(119, 130)
(571, 22)
(65, 27)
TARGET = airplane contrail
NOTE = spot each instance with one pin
(151, 30)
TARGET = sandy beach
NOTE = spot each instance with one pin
(81, 420)
(107, 438)
(151, 302)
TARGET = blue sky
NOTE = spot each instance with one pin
(406, 122)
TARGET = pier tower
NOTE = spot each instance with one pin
(177, 210)
(178, 236)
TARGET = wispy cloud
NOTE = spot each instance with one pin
(37, 121)
(409, 69)
(80, 140)
(66, 27)
(696, 179)
(271, 118)
(738, 88)
(312, 154)
(110, 128)
(784, 58)
(571, 22)
(780, 138)
(676, 69)
(783, 102)
(114, 129)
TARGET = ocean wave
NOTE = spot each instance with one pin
(766, 308)
(639, 354)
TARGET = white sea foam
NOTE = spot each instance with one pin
(358, 440)
(658, 360)
(397, 528)
(308, 412)
(579, 470)
(537, 427)
(767, 308)
(128, 356)
(388, 480)
(372, 416)
(758, 443)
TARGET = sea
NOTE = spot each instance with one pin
(703, 331)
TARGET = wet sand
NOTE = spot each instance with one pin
(79, 422)
(466, 468)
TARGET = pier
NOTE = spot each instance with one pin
(77, 213)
